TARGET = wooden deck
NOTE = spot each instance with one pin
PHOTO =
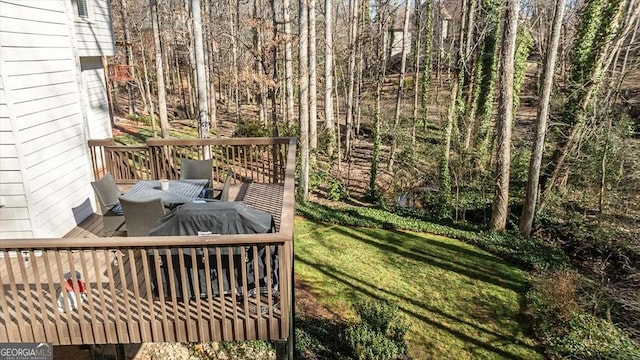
(121, 306)
(161, 289)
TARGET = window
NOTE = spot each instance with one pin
(82, 9)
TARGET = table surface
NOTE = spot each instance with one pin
(180, 191)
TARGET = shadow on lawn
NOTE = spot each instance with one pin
(497, 276)
(452, 263)
(319, 338)
(140, 135)
(492, 272)
(365, 288)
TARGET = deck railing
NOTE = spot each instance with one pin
(251, 159)
(155, 289)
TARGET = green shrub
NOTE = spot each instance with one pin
(589, 337)
(145, 119)
(380, 332)
(327, 141)
(288, 129)
(368, 344)
(320, 338)
(337, 191)
(564, 327)
(383, 318)
(527, 253)
(251, 129)
(318, 173)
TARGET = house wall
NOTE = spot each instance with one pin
(45, 111)
(397, 45)
(94, 91)
(14, 213)
(94, 36)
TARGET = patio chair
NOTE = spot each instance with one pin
(224, 193)
(197, 169)
(107, 193)
(141, 216)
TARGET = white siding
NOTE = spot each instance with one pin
(40, 77)
(95, 96)
(14, 213)
(396, 46)
(95, 36)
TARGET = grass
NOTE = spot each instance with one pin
(459, 301)
(144, 132)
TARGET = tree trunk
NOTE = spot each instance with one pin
(400, 93)
(489, 64)
(466, 111)
(303, 102)
(428, 48)
(148, 92)
(288, 61)
(234, 13)
(537, 149)
(313, 76)
(337, 116)
(259, 61)
(273, 90)
(416, 66)
(353, 35)
(128, 55)
(204, 126)
(499, 211)
(328, 76)
(381, 56)
(162, 97)
(209, 55)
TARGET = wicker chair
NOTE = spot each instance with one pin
(141, 216)
(107, 193)
(224, 193)
(198, 169)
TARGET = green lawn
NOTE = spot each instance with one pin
(461, 302)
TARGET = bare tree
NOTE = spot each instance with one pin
(128, 54)
(353, 38)
(148, 92)
(505, 117)
(313, 78)
(162, 96)
(234, 20)
(400, 92)
(209, 56)
(380, 67)
(288, 60)
(529, 208)
(303, 100)
(204, 126)
(328, 73)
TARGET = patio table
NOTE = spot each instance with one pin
(179, 192)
